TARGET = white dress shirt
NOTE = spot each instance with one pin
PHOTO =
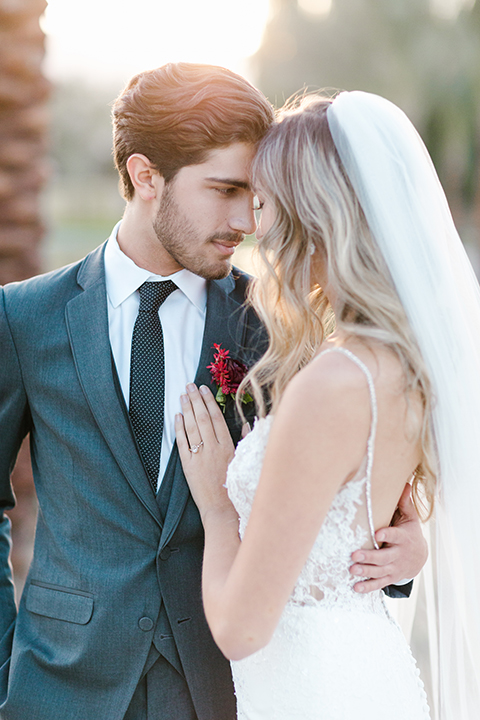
(183, 322)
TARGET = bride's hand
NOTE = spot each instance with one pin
(205, 447)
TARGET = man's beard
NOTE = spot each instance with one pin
(182, 242)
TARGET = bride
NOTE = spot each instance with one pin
(354, 222)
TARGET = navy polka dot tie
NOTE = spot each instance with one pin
(147, 376)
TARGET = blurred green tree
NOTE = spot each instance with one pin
(423, 55)
(82, 199)
(81, 130)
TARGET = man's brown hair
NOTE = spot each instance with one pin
(175, 115)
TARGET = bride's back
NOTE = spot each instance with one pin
(397, 443)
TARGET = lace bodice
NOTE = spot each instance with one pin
(348, 526)
(335, 653)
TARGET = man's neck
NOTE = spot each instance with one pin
(137, 239)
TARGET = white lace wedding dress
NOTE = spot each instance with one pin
(336, 654)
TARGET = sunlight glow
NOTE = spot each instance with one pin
(110, 40)
(315, 7)
(449, 9)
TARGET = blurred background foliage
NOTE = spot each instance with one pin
(422, 54)
(82, 201)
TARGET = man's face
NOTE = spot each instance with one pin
(207, 210)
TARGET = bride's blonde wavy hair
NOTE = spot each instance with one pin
(298, 170)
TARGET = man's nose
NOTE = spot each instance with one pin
(243, 220)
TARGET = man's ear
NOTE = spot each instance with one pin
(147, 181)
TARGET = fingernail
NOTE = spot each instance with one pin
(191, 387)
(184, 399)
(178, 417)
(204, 389)
(381, 536)
(360, 588)
(361, 557)
(357, 571)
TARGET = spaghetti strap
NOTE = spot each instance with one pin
(371, 438)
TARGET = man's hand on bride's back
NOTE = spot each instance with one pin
(205, 447)
(402, 554)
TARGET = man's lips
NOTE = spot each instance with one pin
(226, 248)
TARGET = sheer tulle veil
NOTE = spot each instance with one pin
(408, 214)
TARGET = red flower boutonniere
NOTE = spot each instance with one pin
(227, 374)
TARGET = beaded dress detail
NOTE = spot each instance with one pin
(336, 654)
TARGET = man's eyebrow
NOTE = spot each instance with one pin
(229, 181)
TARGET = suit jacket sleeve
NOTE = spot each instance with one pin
(399, 591)
(14, 425)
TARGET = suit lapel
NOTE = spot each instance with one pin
(87, 323)
(223, 328)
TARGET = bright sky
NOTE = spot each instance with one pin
(104, 41)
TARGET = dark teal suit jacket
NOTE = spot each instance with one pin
(114, 568)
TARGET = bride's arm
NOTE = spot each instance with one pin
(317, 441)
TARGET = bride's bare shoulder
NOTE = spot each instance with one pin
(330, 377)
(383, 363)
(336, 373)
(328, 399)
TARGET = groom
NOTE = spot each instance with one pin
(94, 358)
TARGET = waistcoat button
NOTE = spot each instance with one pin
(145, 624)
(165, 553)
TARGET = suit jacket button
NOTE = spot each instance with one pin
(145, 624)
(165, 553)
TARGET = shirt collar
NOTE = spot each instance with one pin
(123, 277)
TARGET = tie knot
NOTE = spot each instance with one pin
(153, 294)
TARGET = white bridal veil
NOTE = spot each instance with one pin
(407, 211)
